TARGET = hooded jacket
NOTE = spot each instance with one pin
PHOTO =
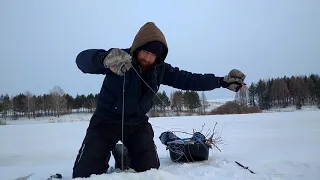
(136, 103)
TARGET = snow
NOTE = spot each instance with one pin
(293, 108)
(279, 145)
(52, 119)
(213, 104)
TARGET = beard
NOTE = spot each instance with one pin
(144, 64)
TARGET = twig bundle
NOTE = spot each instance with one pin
(214, 139)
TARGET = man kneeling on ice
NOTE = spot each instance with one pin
(132, 77)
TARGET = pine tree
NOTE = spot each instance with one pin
(262, 94)
(317, 90)
(46, 104)
(77, 103)
(69, 103)
(19, 102)
(157, 102)
(295, 89)
(1, 103)
(283, 93)
(311, 91)
(90, 102)
(268, 101)
(290, 95)
(279, 92)
(165, 101)
(5, 106)
(38, 106)
(304, 89)
(191, 100)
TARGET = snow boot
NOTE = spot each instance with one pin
(117, 154)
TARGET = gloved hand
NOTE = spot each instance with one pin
(118, 61)
(233, 81)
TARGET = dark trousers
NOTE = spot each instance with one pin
(101, 138)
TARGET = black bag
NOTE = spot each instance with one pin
(188, 149)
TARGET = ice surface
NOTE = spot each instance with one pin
(282, 145)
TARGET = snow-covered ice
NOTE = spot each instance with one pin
(282, 145)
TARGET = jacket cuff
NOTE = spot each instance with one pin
(220, 82)
(101, 55)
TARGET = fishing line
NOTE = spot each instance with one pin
(122, 122)
(150, 87)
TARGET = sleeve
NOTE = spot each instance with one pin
(185, 80)
(90, 61)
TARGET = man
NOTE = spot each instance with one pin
(135, 73)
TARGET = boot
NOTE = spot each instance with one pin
(117, 154)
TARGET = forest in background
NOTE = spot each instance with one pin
(278, 92)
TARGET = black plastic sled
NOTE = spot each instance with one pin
(188, 149)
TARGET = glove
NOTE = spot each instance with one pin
(118, 61)
(233, 81)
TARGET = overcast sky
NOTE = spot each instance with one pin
(39, 40)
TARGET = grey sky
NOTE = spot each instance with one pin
(40, 39)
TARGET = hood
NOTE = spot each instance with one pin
(147, 33)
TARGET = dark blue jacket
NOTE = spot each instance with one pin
(138, 97)
(137, 104)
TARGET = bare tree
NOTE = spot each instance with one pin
(204, 103)
(30, 102)
(242, 96)
(58, 99)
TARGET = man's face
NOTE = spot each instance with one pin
(145, 58)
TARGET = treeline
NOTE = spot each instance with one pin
(264, 94)
(282, 92)
(180, 101)
(57, 103)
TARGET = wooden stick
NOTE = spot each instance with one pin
(245, 167)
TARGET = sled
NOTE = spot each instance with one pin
(188, 149)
